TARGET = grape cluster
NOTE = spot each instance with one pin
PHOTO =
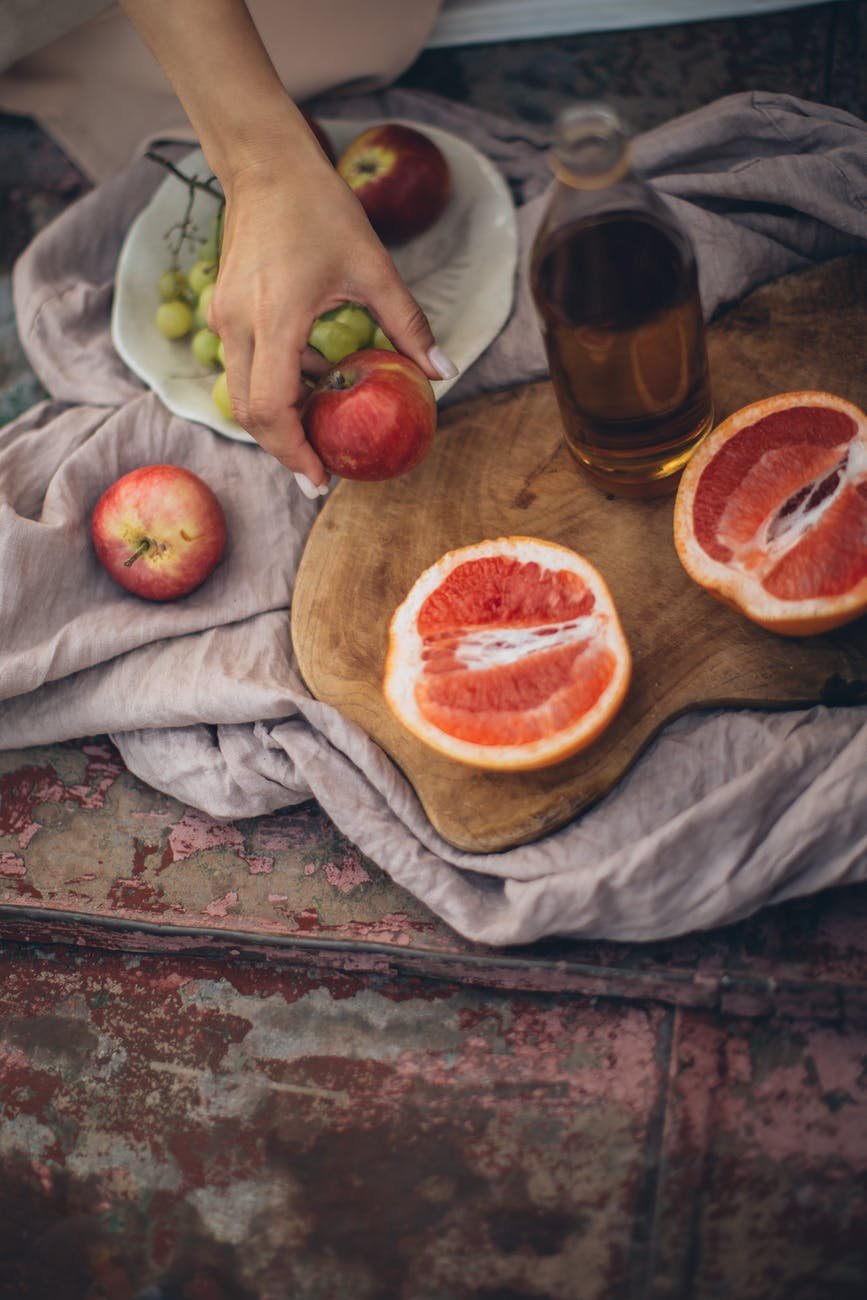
(183, 308)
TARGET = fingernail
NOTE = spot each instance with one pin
(441, 363)
(310, 490)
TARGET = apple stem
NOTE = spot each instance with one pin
(139, 550)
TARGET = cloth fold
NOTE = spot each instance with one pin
(725, 813)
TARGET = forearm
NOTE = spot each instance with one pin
(214, 58)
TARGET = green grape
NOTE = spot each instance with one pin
(209, 249)
(203, 345)
(334, 340)
(172, 284)
(381, 340)
(220, 396)
(200, 314)
(221, 355)
(355, 317)
(201, 274)
(359, 320)
(174, 319)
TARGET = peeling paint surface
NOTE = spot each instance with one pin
(238, 1063)
(307, 1130)
(84, 841)
(765, 1167)
(182, 1127)
(80, 835)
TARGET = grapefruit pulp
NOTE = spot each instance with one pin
(771, 512)
(507, 655)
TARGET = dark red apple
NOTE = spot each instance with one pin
(401, 178)
(323, 138)
(159, 531)
(372, 416)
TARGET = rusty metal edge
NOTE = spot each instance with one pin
(734, 993)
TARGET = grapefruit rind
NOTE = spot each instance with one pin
(405, 661)
(737, 579)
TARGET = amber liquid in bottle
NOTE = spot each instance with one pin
(616, 292)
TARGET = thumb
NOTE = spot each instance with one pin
(405, 324)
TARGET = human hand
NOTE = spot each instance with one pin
(297, 243)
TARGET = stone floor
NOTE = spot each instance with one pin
(372, 1109)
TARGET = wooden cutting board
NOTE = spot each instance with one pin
(499, 467)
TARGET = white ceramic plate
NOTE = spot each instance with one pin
(461, 271)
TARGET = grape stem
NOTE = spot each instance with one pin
(210, 186)
(193, 183)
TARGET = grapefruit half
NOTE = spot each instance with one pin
(771, 512)
(507, 655)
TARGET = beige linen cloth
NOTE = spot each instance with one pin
(726, 812)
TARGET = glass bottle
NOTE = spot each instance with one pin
(614, 280)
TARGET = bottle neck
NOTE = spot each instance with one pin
(590, 149)
(575, 180)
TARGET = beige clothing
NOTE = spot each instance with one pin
(100, 93)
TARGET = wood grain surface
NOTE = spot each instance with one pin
(498, 467)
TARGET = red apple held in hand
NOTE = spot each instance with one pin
(159, 531)
(401, 178)
(372, 416)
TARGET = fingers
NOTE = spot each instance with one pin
(404, 322)
(267, 298)
(265, 389)
(272, 416)
(313, 363)
(282, 436)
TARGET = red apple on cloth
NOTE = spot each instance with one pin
(401, 178)
(372, 416)
(159, 531)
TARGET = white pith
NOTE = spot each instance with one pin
(762, 552)
(487, 647)
(491, 647)
(753, 559)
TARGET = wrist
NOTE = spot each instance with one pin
(264, 150)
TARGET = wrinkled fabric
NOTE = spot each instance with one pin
(725, 813)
